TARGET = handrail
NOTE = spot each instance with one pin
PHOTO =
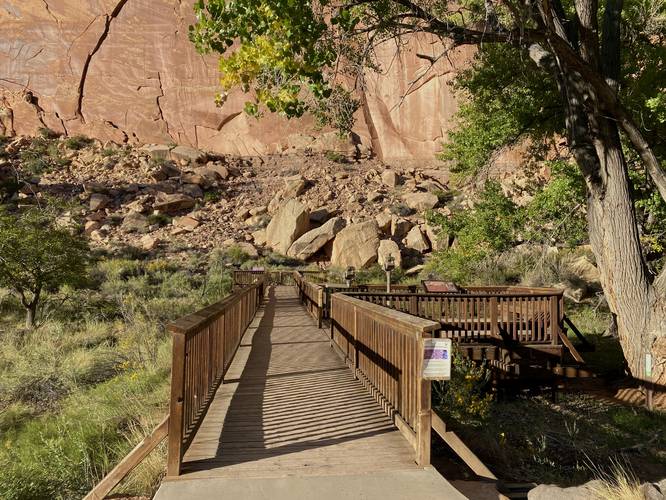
(131, 460)
(204, 345)
(525, 318)
(385, 350)
(312, 295)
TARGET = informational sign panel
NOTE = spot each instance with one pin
(437, 359)
(434, 286)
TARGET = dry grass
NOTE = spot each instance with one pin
(619, 483)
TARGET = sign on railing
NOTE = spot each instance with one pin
(437, 359)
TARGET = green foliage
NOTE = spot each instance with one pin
(507, 96)
(36, 256)
(465, 398)
(159, 219)
(556, 214)
(41, 156)
(77, 142)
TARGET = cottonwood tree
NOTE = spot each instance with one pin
(37, 257)
(295, 54)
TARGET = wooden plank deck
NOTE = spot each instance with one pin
(290, 407)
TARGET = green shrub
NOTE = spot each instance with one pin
(159, 219)
(77, 142)
(464, 398)
(41, 156)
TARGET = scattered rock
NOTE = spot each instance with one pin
(294, 186)
(149, 242)
(192, 190)
(257, 221)
(99, 201)
(356, 245)
(157, 150)
(386, 248)
(374, 196)
(420, 201)
(289, 223)
(313, 241)
(91, 225)
(186, 222)
(262, 210)
(414, 270)
(188, 154)
(134, 222)
(551, 492)
(221, 171)
(166, 171)
(170, 203)
(242, 213)
(390, 178)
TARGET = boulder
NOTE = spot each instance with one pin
(157, 150)
(248, 249)
(416, 240)
(135, 222)
(586, 270)
(386, 248)
(319, 216)
(192, 190)
(551, 492)
(98, 201)
(261, 210)
(220, 170)
(356, 245)
(294, 186)
(287, 225)
(188, 154)
(259, 237)
(186, 222)
(390, 178)
(384, 222)
(412, 271)
(257, 221)
(149, 242)
(399, 227)
(91, 225)
(420, 201)
(436, 239)
(194, 178)
(165, 171)
(374, 196)
(170, 203)
(313, 241)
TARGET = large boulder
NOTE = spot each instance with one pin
(313, 241)
(386, 248)
(420, 201)
(416, 240)
(356, 245)
(290, 222)
(171, 203)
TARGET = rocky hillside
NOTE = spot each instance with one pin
(324, 207)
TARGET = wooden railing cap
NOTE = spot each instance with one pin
(413, 323)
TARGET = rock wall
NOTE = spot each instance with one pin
(125, 70)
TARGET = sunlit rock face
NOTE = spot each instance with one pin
(125, 70)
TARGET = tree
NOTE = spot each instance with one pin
(291, 53)
(36, 257)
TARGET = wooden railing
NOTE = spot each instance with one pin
(247, 277)
(244, 277)
(525, 316)
(312, 295)
(384, 348)
(204, 344)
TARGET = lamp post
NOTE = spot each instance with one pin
(350, 273)
(389, 265)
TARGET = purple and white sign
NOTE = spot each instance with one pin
(437, 359)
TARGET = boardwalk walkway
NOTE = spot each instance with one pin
(291, 422)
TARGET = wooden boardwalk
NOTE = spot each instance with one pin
(289, 406)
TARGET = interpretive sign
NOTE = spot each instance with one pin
(434, 286)
(437, 359)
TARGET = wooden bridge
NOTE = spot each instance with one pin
(267, 404)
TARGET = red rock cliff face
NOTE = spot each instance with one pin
(124, 70)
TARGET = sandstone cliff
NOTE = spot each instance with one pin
(124, 70)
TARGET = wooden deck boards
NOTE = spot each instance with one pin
(290, 407)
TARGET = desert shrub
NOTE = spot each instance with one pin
(464, 398)
(212, 196)
(41, 156)
(159, 219)
(77, 142)
(401, 210)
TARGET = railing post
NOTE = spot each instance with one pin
(175, 446)
(494, 325)
(423, 400)
(320, 307)
(414, 305)
(355, 337)
(555, 320)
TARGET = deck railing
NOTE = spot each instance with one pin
(524, 315)
(311, 294)
(204, 344)
(384, 349)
